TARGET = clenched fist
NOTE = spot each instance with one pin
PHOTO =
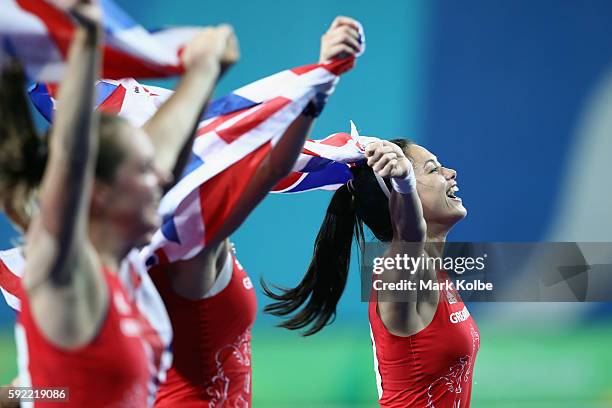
(341, 39)
(218, 44)
(387, 159)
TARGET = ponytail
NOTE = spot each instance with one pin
(23, 153)
(321, 288)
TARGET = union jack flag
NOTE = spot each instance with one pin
(325, 164)
(39, 35)
(11, 271)
(233, 138)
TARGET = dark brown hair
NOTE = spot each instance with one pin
(23, 152)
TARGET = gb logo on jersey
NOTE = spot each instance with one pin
(450, 296)
(246, 282)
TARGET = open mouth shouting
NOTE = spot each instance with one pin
(452, 193)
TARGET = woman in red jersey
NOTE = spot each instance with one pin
(210, 299)
(424, 348)
(80, 328)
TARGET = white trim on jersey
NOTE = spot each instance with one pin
(223, 279)
(23, 361)
(145, 296)
(376, 369)
(13, 302)
(152, 308)
(13, 259)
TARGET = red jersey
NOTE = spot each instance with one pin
(110, 371)
(212, 342)
(432, 368)
(156, 327)
(155, 323)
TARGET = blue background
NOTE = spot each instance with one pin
(512, 94)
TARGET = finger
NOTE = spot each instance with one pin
(351, 32)
(339, 37)
(381, 149)
(343, 31)
(398, 150)
(339, 51)
(343, 20)
(371, 148)
(382, 162)
(225, 30)
(388, 169)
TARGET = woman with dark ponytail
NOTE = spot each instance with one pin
(324, 282)
(423, 357)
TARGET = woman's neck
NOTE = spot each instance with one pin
(436, 233)
(110, 249)
(436, 238)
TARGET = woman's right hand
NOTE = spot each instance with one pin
(341, 40)
(387, 159)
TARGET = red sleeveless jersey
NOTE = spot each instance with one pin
(212, 343)
(155, 323)
(432, 368)
(110, 371)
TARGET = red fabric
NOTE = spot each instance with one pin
(110, 371)
(219, 195)
(212, 345)
(9, 281)
(288, 181)
(217, 122)
(57, 22)
(260, 114)
(114, 102)
(116, 61)
(432, 368)
(338, 140)
(336, 66)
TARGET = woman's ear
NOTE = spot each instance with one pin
(101, 196)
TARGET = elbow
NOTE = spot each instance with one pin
(421, 230)
(415, 231)
(276, 170)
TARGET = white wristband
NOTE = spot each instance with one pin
(406, 185)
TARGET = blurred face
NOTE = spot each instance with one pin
(130, 202)
(437, 188)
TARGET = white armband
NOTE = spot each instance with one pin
(405, 185)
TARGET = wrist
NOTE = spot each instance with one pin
(89, 35)
(406, 184)
(315, 106)
(206, 66)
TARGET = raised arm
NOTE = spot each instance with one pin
(173, 126)
(60, 261)
(401, 313)
(193, 278)
(387, 160)
(341, 40)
